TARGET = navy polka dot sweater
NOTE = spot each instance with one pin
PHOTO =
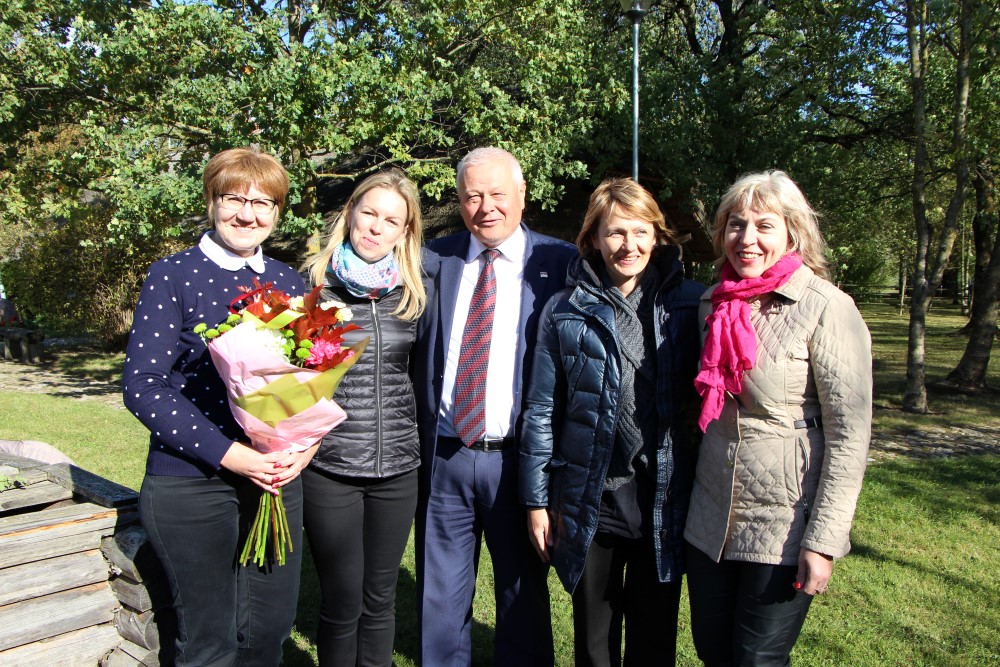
(170, 383)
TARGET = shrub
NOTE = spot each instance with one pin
(70, 278)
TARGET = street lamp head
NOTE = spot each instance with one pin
(640, 7)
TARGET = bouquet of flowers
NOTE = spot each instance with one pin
(281, 358)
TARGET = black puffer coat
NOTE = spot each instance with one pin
(379, 436)
(570, 422)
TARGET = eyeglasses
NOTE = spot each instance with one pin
(232, 202)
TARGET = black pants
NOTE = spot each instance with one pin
(227, 614)
(620, 582)
(357, 531)
(743, 613)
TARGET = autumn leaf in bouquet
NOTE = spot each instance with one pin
(281, 359)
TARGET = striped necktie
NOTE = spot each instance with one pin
(469, 412)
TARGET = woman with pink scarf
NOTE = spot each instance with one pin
(786, 386)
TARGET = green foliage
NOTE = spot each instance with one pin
(8, 482)
(74, 281)
(157, 89)
(129, 99)
(862, 269)
(126, 102)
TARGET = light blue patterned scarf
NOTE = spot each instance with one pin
(360, 278)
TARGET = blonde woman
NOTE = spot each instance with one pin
(786, 385)
(361, 487)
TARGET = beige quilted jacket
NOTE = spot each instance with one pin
(765, 486)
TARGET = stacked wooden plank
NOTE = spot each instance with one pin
(145, 619)
(78, 583)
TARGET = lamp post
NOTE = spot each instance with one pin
(635, 10)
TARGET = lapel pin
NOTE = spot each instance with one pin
(544, 274)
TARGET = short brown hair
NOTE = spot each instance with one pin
(237, 169)
(627, 199)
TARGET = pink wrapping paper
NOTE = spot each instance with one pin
(246, 368)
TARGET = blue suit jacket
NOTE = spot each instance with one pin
(546, 262)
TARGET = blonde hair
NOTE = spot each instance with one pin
(407, 251)
(624, 198)
(237, 169)
(774, 192)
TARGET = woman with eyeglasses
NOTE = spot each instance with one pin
(203, 479)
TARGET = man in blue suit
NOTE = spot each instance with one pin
(469, 481)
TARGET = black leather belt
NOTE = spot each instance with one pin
(484, 445)
(812, 422)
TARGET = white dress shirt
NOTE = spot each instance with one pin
(229, 260)
(503, 402)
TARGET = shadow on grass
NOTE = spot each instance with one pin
(407, 640)
(923, 553)
(89, 363)
(933, 492)
(943, 488)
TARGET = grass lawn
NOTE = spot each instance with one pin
(920, 587)
(943, 348)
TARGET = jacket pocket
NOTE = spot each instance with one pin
(555, 469)
(811, 445)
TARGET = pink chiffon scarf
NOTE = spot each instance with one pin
(731, 345)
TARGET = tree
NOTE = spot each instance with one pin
(970, 373)
(933, 251)
(124, 103)
(336, 88)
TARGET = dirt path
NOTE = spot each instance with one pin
(927, 442)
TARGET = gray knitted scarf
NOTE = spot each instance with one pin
(637, 418)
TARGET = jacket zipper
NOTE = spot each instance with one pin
(378, 390)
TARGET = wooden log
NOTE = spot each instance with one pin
(28, 552)
(33, 620)
(33, 580)
(33, 495)
(54, 532)
(144, 656)
(154, 630)
(130, 551)
(18, 342)
(140, 629)
(24, 475)
(35, 353)
(128, 654)
(19, 462)
(153, 594)
(91, 487)
(11, 347)
(86, 516)
(80, 648)
(119, 658)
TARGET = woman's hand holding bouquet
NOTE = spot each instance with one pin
(281, 358)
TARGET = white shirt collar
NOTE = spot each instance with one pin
(513, 249)
(228, 260)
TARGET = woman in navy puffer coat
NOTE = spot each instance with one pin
(608, 449)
